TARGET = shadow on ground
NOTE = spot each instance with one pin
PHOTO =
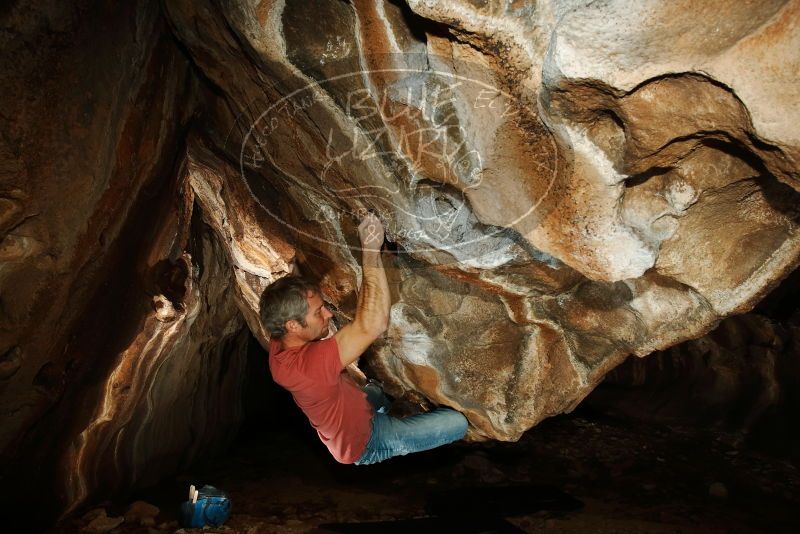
(581, 472)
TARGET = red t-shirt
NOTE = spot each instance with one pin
(334, 404)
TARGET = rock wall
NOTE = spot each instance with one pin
(742, 378)
(563, 184)
(121, 347)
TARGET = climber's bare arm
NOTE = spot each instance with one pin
(372, 310)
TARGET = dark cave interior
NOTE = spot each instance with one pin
(666, 465)
(657, 454)
(604, 393)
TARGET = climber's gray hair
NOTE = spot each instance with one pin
(285, 300)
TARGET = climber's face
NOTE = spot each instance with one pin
(317, 319)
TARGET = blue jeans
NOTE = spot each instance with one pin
(396, 437)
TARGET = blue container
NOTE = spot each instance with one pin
(212, 508)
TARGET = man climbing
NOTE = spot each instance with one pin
(350, 421)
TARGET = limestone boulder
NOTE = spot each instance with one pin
(563, 184)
